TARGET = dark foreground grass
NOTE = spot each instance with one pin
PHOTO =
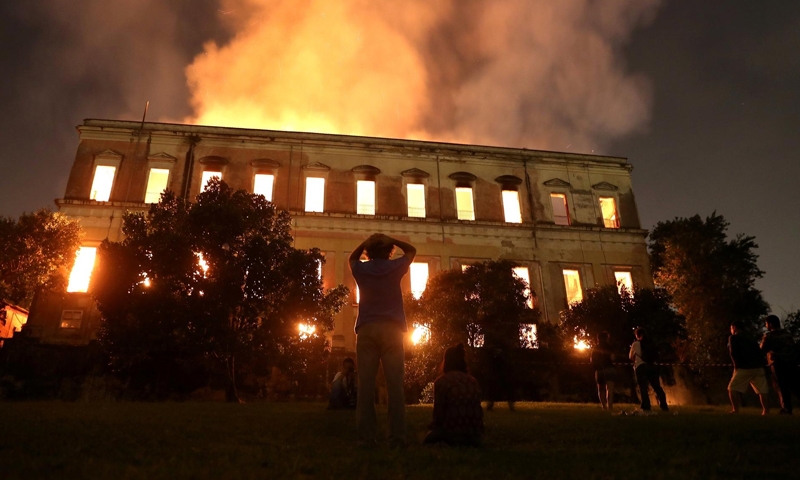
(303, 440)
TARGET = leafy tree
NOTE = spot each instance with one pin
(484, 304)
(37, 251)
(710, 279)
(606, 309)
(217, 279)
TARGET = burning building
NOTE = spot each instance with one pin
(569, 220)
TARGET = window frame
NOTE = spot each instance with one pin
(374, 194)
(424, 207)
(580, 284)
(563, 196)
(616, 220)
(308, 191)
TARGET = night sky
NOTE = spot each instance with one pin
(723, 131)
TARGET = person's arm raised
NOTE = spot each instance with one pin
(408, 250)
(356, 255)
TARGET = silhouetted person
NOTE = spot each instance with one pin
(644, 355)
(457, 413)
(605, 374)
(778, 345)
(748, 369)
(499, 379)
(380, 327)
(343, 387)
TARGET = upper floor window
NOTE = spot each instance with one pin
(464, 205)
(416, 200)
(71, 319)
(102, 182)
(315, 194)
(523, 274)
(365, 197)
(263, 184)
(208, 175)
(156, 183)
(82, 270)
(511, 208)
(560, 212)
(624, 281)
(572, 282)
(608, 207)
(528, 336)
(418, 272)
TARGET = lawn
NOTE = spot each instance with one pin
(303, 440)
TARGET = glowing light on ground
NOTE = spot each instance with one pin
(420, 335)
(580, 344)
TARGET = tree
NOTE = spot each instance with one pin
(37, 251)
(710, 279)
(606, 309)
(483, 305)
(216, 279)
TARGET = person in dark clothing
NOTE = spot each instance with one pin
(457, 413)
(343, 387)
(499, 380)
(748, 369)
(605, 374)
(778, 345)
(644, 355)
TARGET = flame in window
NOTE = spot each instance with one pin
(522, 274)
(464, 204)
(416, 200)
(365, 197)
(511, 206)
(102, 183)
(608, 206)
(624, 282)
(419, 278)
(315, 194)
(262, 185)
(82, 270)
(156, 183)
(572, 282)
(207, 175)
(305, 330)
(560, 212)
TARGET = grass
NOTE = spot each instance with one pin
(303, 440)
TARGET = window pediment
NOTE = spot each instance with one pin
(213, 161)
(366, 170)
(108, 157)
(265, 163)
(162, 158)
(465, 178)
(508, 182)
(605, 186)
(415, 173)
(316, 167)
(557, 183)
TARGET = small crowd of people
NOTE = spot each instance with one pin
(457, 413)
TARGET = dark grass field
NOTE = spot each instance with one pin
(303, 440)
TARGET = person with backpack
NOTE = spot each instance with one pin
(644, 355)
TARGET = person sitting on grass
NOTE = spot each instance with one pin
(748, 369)
(343, 387)
(605, 374)
(457, 413)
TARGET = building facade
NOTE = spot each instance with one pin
(569, 220)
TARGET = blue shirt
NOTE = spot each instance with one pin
(379, 287)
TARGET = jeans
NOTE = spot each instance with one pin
(380, 343)
(647, 374)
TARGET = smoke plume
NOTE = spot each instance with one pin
(525, 73)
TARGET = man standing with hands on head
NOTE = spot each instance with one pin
(380, 328)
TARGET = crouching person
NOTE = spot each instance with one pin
(343, 387)
(457, 413)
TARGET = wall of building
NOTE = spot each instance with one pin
(442, 240)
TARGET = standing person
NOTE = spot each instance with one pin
(457, 412)
(778, 345)
(380, 327)
(605, 374)
(644, 355)
(748, 368)
(343, 387)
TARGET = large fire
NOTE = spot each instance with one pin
(510, 72)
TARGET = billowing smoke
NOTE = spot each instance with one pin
(529, 73)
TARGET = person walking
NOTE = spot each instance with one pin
(380, 327)
(605, 374)
(778, 345)
(748, 369)
(643, 353)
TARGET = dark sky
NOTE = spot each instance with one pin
(724, 132)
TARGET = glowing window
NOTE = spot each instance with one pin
(608, 206)
(421, 334)
(262, 185)
(71, 319)
(207, 175)
(522, 274)
(103, 180)
(528, 337)
(464, 204)
(624, 281)
(511, 206)
(572, 281)
(156, 183)
(315, 194)
(419, 278)
(560, 212)
(416, 200)
(365, 197)
(82, 270)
